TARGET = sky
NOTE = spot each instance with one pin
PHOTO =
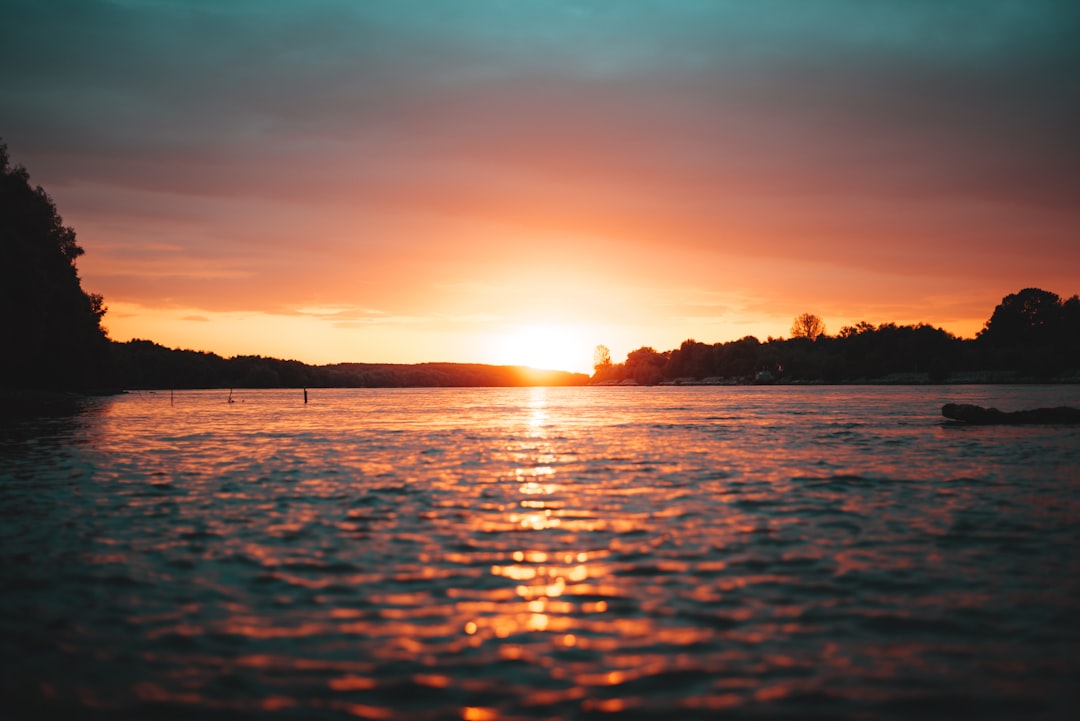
(518, 181)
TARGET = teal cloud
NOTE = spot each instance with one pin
(683, 83)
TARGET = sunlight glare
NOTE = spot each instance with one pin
(545, 347)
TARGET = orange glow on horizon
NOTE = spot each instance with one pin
(316, 339)
(516, 215)
(494, 300)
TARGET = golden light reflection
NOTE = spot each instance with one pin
(591, 615)
(608, 705)
(277, 703)
(538, 413)
(532, 488)
(479, 713)
(559, 581)
(432, 680)
(352, 683)
(535, 521)
(364, 711)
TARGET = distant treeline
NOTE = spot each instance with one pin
(1032, 335)
(143, 364)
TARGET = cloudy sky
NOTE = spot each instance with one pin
(521, 180)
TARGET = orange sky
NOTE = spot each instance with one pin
(519, 182)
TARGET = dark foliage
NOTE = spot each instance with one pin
(1033, 332)
(860, 353)
(1032, 335)
(53, 335)
(143, 364)
(1030, 317)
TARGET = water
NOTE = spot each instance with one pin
(569, 553)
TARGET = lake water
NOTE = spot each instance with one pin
(570, 553)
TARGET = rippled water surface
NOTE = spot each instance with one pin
(541, 553)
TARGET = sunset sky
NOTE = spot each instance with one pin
(516, 181)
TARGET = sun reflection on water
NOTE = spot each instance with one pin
(524, 554)
(541, 578)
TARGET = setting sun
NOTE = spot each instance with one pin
(546, 347)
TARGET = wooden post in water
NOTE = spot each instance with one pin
(170, 396)
(230, 396)
(305, 396)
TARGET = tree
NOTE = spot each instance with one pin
(850, 331)
(1070, 321)
(601, 357)
(646, 366)
(690, 360)
(1031, 316)
(737, 358)
(603, 369)
(809, 326)
(53, 333)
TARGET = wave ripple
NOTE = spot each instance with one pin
(566, 553)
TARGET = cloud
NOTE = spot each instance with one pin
(477, 155)
(213, 81)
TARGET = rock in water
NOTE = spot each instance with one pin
(978, 415)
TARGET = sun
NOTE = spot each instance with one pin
(544, 347)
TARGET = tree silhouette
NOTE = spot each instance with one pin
(1070, 321)
(646, 366)
(809, 326)
(53, 334)
(690, 360)
(601, 357)
(1030, 317)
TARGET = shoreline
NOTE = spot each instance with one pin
(20, 401)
